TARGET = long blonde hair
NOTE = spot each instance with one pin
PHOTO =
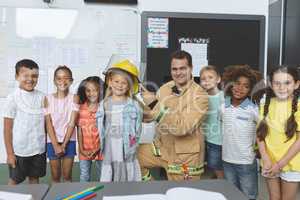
(129, 79)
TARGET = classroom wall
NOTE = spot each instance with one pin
(251, 7)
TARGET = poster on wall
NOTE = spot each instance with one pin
(198, 48)
(158, 33)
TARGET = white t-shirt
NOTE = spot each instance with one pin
(26, 109)
(239, 132)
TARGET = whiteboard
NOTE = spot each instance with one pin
(83, 39)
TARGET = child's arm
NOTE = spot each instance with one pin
(72, 122)
(80, 143)
(267, 163)
(50, 130)
(8, 126)
(292, 151)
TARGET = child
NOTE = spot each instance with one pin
(119, 119)
(239, 119)
(24, 132)
(61, 113)
(278, 134)
(209, 80)
(88, 136)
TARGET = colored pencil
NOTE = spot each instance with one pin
(89, 196)
(78, 197)
(94, 189)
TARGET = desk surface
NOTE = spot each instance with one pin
(38, 191)
(129, 188)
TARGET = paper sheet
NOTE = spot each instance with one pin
(199, 55)
(14, 196)
(137, 197)
(177, 193)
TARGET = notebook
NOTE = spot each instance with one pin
(178, 193)
(14, 196)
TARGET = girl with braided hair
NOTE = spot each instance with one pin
(278, 134)
(239, 119)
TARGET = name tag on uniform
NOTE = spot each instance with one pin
(242, 118)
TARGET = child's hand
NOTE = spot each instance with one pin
(11, 160)
(59, 151)
(63, 146)
(86, 153)
(276, 169)
(94, 154)
(267, 164)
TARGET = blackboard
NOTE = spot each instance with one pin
(232, 39)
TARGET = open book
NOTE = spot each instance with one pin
(14, 196)
(178, 193)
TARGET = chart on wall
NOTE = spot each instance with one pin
(82, 39)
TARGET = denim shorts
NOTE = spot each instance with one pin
(214, 156)
(70, 151)
(244, 177)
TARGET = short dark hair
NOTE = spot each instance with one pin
(27, 63)
(180, 54)
(64, 68)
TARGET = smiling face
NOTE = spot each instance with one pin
(27, 78)
(62, 80)
(283, 85)
(209, 80)
(181, 72)
(92, 92)
(119, 85)
(241, 88)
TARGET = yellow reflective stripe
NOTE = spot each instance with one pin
(178, 169)
(161, 114)
(147, 177)
(155, 150)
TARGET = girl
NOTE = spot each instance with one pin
(61, 113)
(278, 134)
(88, 136)
(119, 119)
(239, 119)
(209, 80)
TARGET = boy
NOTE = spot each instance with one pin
(24, 131)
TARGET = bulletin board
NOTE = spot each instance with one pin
(215, 39)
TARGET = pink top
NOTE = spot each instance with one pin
(60, 111)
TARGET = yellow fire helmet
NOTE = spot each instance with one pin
(130, 68)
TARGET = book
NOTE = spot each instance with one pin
(14, 196)
(177, 193)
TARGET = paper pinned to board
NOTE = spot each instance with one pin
(14, 196)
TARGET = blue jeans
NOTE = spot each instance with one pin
(214, 156)
(85, 169)
(244, 177)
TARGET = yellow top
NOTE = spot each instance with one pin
(276, 145)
